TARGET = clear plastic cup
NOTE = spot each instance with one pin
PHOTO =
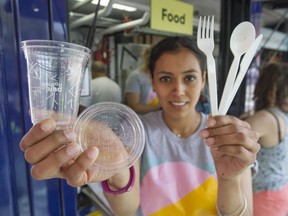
(116, 130)
(55, 72)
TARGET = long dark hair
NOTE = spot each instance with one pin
(271, 89)
(175, 44)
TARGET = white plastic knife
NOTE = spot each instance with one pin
(244, 65)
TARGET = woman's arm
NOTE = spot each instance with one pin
(54, 154)
(125, 204)
(234, 147)
(231, 195)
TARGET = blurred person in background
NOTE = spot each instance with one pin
(270, 120)
(102, 88)
(139, 94)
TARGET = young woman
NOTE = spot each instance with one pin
(270, 120)
(191, 162)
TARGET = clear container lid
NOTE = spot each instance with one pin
(116, 130)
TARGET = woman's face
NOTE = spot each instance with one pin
(178, 82)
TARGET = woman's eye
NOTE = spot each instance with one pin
(165, 79)
(190, 78)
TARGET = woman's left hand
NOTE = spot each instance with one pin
(233, 144)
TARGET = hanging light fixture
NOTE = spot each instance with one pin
(104, 3)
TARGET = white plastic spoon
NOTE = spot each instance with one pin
(241, 39)
(244, 66)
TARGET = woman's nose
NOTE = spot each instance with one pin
(179, 87)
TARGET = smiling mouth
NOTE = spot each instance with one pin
(178, 103)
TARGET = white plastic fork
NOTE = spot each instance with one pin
(205, 42)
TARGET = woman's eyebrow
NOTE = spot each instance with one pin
(186, 71)
(164, 72)
(189, 71)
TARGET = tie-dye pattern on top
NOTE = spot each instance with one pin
(177, 175)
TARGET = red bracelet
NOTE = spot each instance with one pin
(127, 188)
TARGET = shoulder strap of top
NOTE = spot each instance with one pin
(278, 124)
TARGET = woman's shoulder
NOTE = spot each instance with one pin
(267, 116)
(261, 121)
(260, 115)
(266, 124)
(137, 74)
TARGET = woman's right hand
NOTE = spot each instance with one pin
(54, 154)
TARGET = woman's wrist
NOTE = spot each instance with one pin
(239, 211)
(119, 180)
(120, 183)
(230, 200)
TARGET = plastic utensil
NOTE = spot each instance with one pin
(241, 39)
(205, 42)
(244, 65)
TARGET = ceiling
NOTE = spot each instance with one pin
(81, 15)
(117, 16)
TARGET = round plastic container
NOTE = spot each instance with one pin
(116, 130)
